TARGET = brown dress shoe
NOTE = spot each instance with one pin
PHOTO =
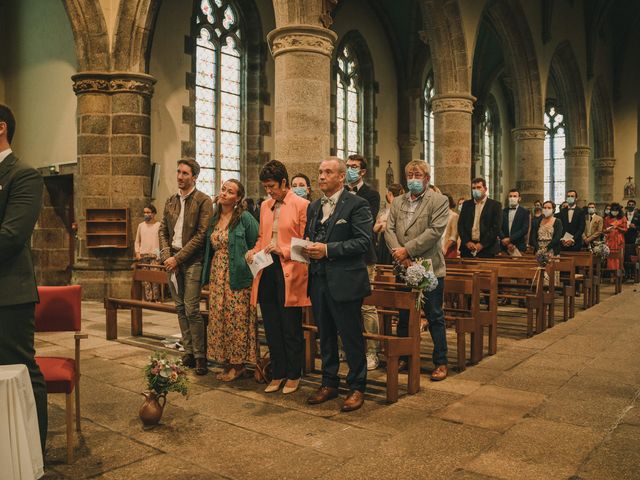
(440, 373)
(188, 360)
(201, 366)
(354, 401)
(322, 395)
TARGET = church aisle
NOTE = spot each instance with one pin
(563, 404)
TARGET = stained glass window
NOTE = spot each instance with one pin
(348, 105)
(218, 94)
(487, 150)
(554, 163)
(428, 125)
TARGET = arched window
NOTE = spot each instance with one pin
(348, 104)
(554, 164)
(488, 150)
(428, 125)
(218, 91)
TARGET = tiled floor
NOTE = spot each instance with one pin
(563, 404)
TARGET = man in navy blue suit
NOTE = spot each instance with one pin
(515, 225)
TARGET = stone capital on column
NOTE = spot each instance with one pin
(577, 151)
(113, 82)
(529, 132)
(302, 38)
(453, 102)
(604, 162)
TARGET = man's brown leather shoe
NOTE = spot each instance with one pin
(354, 401)
(440, 373)
(322, 395)
(201, 366)
(188, 361)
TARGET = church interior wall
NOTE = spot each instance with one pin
(356, 15)
(36, 71)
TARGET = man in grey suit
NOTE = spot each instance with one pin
(415, 226)
(20, 201)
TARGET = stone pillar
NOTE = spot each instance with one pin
(113, 170)
(603, 173)
(452, 118)
(529, 151)
(577, 171)
(406, 144)
(302, 56)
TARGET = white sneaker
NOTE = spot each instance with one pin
(372, 361)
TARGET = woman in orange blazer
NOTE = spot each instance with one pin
(281, 288)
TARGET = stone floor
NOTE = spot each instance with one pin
(561, 405)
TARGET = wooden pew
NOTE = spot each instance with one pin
(391, 296)
(618, 274)
(141, 273)
(584, 276)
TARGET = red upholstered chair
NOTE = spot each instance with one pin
(59, 311)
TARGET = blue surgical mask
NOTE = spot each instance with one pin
(571, 200)
(300, 191)
(415, 186)
(591, 210)
(477, 194)
(353, 175)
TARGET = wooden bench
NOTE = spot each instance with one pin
(616, 274)
(391, 296)
(585, 278)
(141, 273)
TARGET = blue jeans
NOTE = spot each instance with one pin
(435, 317)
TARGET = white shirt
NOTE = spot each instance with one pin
(177, 230)
(570, 213)
(357, 186)
(475, 229)
(412, 206)
(329, 207)
(4, 154)
(512, 215)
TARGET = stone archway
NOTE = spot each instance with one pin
(603, 156)
(133, 35)
(510, 24)
(453, 104)
(90, 34)
(565, 76)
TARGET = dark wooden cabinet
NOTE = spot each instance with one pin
(107, 227)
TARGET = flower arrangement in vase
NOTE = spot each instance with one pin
(163, 375)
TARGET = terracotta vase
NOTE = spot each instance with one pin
(152, 408)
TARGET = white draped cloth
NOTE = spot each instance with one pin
(20, 452)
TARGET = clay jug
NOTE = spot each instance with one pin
(152, 408)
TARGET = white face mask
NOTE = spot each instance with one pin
(513, 201)
(547, 212)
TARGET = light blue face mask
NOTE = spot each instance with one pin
(571, 200)
(415, 186)
(300, 191)
(477, 194)
(353, 175)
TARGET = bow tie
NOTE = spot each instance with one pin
(512, 208)
(325, 200)
(352, 189)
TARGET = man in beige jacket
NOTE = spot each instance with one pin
(593, 225)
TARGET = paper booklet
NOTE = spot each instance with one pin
(567, 236)
(297, 250)
(260, 261)
(515, 253)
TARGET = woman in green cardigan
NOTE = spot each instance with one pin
(232, 332)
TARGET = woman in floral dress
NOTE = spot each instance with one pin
(615, 227)
(232, 332)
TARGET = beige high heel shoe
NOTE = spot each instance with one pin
(291, 386)
(275, 385)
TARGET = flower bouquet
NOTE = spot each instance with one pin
(601, 250)
(543, 257)
(163, 375)
(419, 277)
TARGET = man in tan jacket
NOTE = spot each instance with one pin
(182, 238)
(593, 225)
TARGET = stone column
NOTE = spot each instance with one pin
(113, 170)
(452, 118)
(603, 173)
(529, 152)
(577, 171)
(406, 144)
(302, 56)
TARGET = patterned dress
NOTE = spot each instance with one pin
(232, 331)
(545, 235)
